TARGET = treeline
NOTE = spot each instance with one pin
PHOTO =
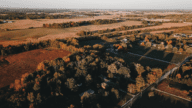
(80, 23)
(69, 44)
(17, 16)
(133, 16)
(183, 75)
(152, 22)
(155, 16)
(152, 74)
(88, 33)
(117, 31)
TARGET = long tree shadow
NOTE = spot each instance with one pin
(168, 57)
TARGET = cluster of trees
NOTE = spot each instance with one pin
(133, 16)
(141, 80)
(14, 49)
(59, 79)
(69, 44)
(151, 22)
(183, 75)
(155, 16)
(157, 38)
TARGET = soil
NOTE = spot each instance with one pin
(13, 66)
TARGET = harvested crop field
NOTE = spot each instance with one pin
(23, 24)
(38, 34)
(164, 86)
(13, 66)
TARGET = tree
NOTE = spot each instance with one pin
(151, 78)
(71, 84)
(157, 71)
(140, 82)
(139, 68)
(88, 79)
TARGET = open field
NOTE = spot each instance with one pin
(8, 37)
(23, 24)
(13, 66)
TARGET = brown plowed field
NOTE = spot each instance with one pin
(164, 87)
(16, 65)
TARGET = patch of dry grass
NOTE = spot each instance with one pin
(27, 33)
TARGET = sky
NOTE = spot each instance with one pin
(98, 4)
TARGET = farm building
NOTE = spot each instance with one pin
(179, 35)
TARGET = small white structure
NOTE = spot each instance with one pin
(184, 35)
(190, 35)
(154, 45)
(79, 84)
(9, 21)
(124, 40)
(4, 21)
(90, 91)
(177, 35)
(162, 43)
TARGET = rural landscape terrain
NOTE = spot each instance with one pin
(95, 58)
